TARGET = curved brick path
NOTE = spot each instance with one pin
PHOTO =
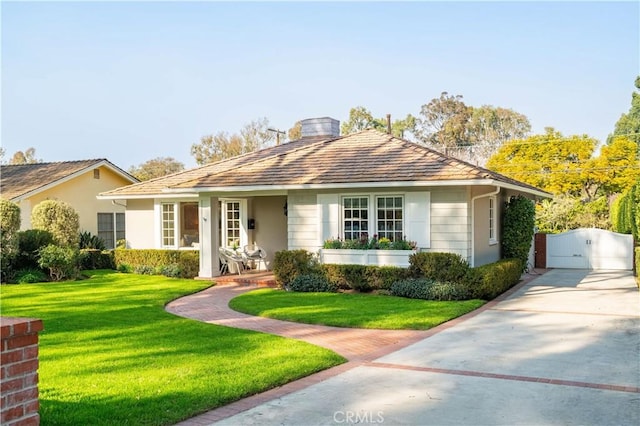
(212, 306)
(359, 346)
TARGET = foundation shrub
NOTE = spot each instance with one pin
(382, 277)
(413, 288)
(188, 261)
(96, 259)
(489, 281)
(311, 283)
(347, 277)
(443, 267)
(288, 264)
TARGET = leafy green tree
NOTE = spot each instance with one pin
(551, 161)
(252, 136)
(9, 227)
(59, 218)
(443, 121)
(157, 167)
(629, 124)
(360, 119)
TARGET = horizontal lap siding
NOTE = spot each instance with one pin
(302, 221)
(450, 222)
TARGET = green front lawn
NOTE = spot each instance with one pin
(111, 355)
(351, 310)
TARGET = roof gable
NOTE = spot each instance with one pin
(18, 181)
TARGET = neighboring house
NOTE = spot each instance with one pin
(299, 194)
(76, 182)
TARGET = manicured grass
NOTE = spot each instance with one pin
(111, 355)
(351, 310)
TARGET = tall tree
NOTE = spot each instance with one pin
(157, 167)
(26, 157)
(443, 121)
(551, 161)
(629, 124)
(360, 119)
(615, 170)
(252, 136)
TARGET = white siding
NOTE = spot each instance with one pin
(418, 218)
(303, 221)
(450, 221)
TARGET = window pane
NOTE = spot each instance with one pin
(354, 213)
(390, 217)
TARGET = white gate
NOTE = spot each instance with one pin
(590, 248)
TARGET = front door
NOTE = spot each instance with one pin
(233, 229)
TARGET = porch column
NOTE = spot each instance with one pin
(209, 260)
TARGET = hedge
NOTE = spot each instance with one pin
(184, 263)
(489, 281)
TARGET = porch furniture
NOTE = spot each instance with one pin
(231, 258)
(255, 253)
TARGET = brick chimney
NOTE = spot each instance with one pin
(320, 127)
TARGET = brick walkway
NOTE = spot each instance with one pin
(358, 346)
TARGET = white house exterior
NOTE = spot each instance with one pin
(299, 194)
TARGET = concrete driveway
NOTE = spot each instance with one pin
(563, 350)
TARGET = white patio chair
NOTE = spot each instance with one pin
(230, 257)
(255, 253)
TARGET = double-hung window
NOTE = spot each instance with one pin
(111, 228)
(355, 213)
(390, 217)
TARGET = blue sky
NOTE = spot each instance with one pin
(131, 81)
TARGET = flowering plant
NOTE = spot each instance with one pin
(366, 243)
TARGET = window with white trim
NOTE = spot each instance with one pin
(355, 217)
(232, 228)
(168, 225)
(493, 239)
(390, 217)
(111, 228)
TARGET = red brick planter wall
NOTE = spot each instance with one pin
(19, 403)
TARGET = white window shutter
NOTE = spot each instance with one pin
(418, 218)
(329, 216)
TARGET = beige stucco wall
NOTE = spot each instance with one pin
(140, 224)
(80, 192)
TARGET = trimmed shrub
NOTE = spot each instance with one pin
(62, 262)
(438, 266)
(382, 277)
(59, 218)
(174, 270)
(347, 277)
(449, 291)
(363, 278)
(288, 264)
(311, 283)
(145, 270)
(9, 226)
(188, 261)
(517, 229)
(413, 288)
(489, 281)
(96, 259)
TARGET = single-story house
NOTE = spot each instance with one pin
(299, 194)
(75, 182)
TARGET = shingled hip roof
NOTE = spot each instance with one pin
(368, 158)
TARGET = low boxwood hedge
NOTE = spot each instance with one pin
(176, 263)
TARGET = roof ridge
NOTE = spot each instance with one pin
(92, 160)
(269, 157)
